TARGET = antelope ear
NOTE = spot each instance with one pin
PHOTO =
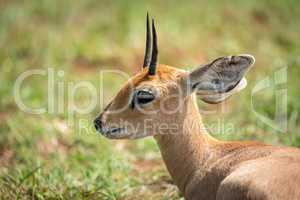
(216, 81)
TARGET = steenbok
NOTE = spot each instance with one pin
(160, 101)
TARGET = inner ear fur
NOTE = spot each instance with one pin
(221, 75)
(216, 81)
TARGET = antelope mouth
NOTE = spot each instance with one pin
(112, 133)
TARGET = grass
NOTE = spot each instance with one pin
(42, 157)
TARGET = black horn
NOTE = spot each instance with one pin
(147, 58)
(153, 63)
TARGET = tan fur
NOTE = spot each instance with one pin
(201, 166)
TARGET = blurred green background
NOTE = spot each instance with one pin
(42, 157)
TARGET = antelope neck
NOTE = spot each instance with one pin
(187, 150)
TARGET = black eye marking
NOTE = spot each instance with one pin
(132, 105)
(142, 97)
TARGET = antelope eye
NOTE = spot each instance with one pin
(142, 97)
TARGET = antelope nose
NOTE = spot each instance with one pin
(98, 124)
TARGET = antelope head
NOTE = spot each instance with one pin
(158, 93)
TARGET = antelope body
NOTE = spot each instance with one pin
(202, 167)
